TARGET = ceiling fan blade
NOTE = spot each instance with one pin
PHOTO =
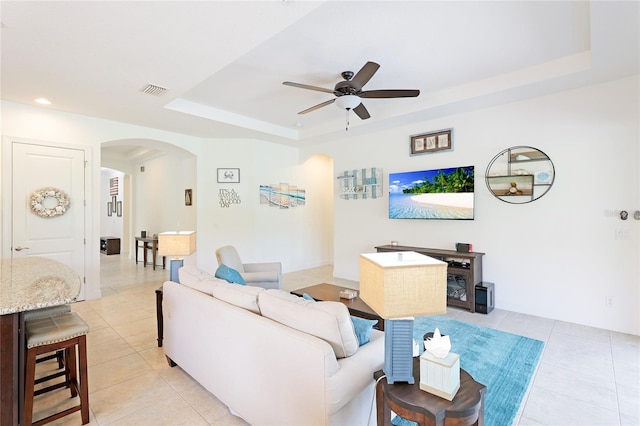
(389, 93)
(306, 86)
(364, 75)
(361, 111)
(313, 108)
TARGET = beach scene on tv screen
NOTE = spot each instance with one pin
(432, 194)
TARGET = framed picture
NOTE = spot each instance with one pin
(228, 175)
(113, 203)
(431, 142)
(119, 208)
(188, 197)
(109, 209)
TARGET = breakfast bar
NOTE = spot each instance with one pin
(27, 284)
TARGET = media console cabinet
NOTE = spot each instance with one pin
(464, 271)
(110, 245)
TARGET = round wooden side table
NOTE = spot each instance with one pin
(412, 403)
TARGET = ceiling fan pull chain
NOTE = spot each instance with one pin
(347, 118)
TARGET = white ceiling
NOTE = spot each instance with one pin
(223, 62)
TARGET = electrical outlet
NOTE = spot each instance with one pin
(609, 302)
(622, 234)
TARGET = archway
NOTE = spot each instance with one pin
(152, 179)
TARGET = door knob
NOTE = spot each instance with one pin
(21, 248)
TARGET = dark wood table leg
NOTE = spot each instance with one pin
(154, 252)
(159, 316)
(144, 255)
(382, 409)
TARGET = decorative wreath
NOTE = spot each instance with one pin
(49, 202)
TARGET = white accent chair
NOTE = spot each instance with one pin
(266, 274)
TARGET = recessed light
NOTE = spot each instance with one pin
(43, 101)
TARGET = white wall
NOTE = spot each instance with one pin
(556, 257)
(297, 237)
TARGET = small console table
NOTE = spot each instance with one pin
(148, 244)
(463, 273)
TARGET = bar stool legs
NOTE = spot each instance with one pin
(64, 332)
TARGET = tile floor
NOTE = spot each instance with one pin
(587, 376)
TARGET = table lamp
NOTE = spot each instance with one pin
(399, 286)
(176, 244)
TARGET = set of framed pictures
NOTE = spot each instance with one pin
(431, 142)
(114, 206)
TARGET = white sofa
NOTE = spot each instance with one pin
(267, 372)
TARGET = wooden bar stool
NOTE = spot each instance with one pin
(48, 312)
(66, 332)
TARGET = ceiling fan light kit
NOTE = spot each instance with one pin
(348, 102)
(348, 93)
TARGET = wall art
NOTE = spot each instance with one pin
(228, 175)
(520, 174)
(363, 183)
(188, 197)
(282, 195)
(49, 202)
(119, 208)
(432, 142)
(113, 186)
(228, 197)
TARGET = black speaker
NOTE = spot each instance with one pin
(464, 248)
(485, 297)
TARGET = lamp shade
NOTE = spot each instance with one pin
(348, 101)
(176, 243)
(403, 284)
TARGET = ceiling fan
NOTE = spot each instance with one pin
(348, 93)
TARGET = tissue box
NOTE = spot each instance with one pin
(440, 376)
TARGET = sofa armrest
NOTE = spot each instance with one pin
(267, 274)
(356, 372)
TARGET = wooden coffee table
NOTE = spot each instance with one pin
(412, 403)
(330, 292)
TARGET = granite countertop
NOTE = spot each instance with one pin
(35, 282)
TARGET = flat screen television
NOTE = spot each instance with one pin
(432, 194)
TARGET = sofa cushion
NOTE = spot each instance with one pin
(197, 279)
(189, 273)
(329, 321)
(243, 296)
(229, 274)
(361, 326)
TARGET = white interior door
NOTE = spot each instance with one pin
(59, 237)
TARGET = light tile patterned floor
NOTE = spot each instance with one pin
(587, 376)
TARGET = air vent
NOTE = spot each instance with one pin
(152, 89)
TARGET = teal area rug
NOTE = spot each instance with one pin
(501, 361)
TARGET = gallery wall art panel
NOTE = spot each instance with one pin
(282, 195)
(363, 183)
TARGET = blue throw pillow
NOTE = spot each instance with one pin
(363, 329)
(229, 274)
(307, 297)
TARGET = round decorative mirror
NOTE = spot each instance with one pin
(520, 174)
